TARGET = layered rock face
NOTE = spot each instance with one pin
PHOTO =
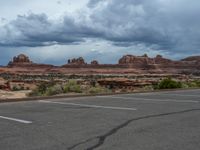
(77, 61)
(20, 59)
(23, 61)
(143, 60)
(192, 58)
(130, 59)
(160, 60)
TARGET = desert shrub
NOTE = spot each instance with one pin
(185, 85)
(97, 89)
(54, 90)
(169, 83)
(15, 88)
(21, 88)
(148, 88)
(194, 84)
(42, 88)
(191, 84)
(72, 86)
(197, 83)
(35, 92)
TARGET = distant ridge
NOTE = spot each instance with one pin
(127, 64)
(192, 58)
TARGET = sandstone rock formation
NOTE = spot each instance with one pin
(160, 60)
(23, 61)
(94, 62)
(128, 64)
(20, 59)
(143, 60)
(136, 60)
(77, 61)
(192, 58)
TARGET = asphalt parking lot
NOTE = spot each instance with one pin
(143, 121)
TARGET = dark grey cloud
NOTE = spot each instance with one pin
(168, 24)
(94, 3)
(163, 24)
(37, 30)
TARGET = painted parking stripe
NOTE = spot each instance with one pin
(168, 94)
(184, 95)
(165, 93)
(16, 120)
(148, 99)
(90, 106)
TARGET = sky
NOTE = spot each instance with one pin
(53, 31)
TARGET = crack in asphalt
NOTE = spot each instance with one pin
(101, 139)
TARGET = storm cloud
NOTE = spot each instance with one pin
(165, 25)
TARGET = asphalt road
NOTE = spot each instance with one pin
(148, 121)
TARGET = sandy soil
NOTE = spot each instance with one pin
(11, 95)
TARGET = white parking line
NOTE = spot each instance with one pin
(16, 120)
(90, 106)
(165, 93)
(184, 95)
(169, 94)
(148, 99)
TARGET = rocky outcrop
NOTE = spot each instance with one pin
(160, 60)
(94, 62)
(192, 58)
(23, 61)
(20, 59)
(77, 61)
(128, 64)
(143, 60)
(136, 60)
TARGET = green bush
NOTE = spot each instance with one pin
(197, 83)
(72, 86)
(194, 84)
(41, 89)
(168, 83)
(185, 85)
(54, 90)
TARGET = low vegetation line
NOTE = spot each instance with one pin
(72, 88)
